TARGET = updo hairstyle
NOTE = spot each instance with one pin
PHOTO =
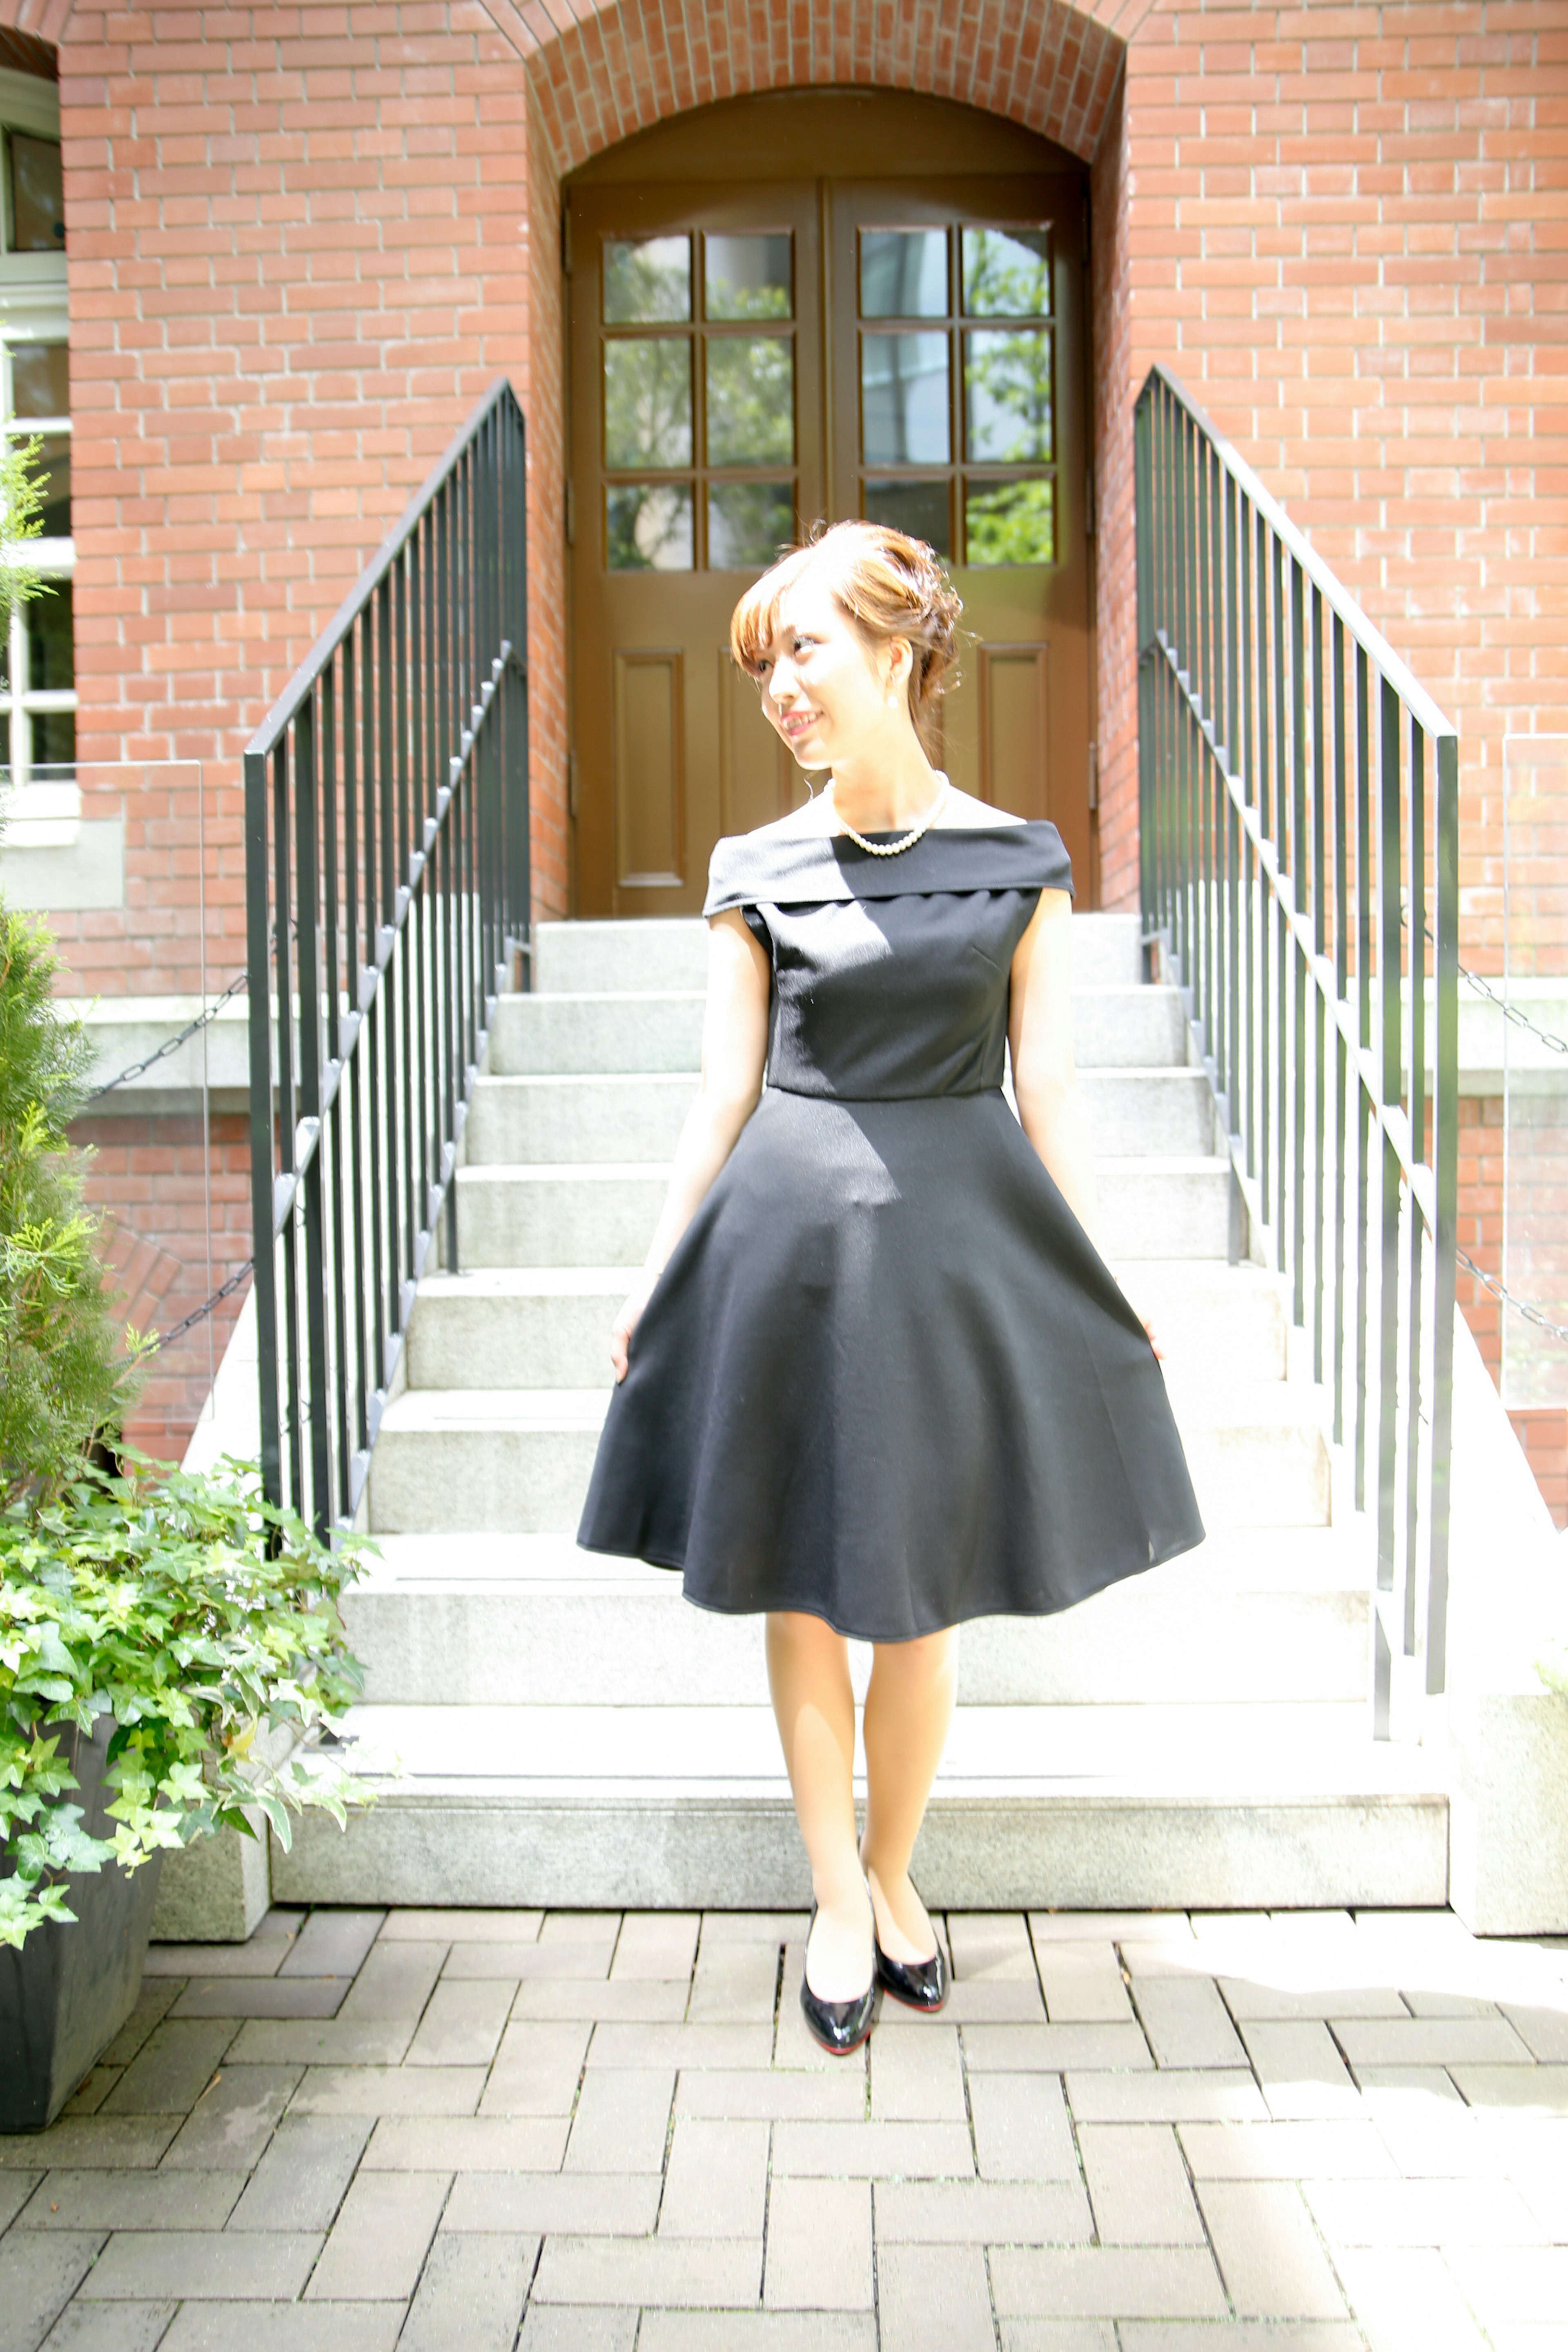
(891, 586)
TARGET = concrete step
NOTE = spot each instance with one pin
(1070, 1808)
(577, 959)
(520, 1458)
(542, 1326)
(632, 1031)
(621, 1117)
(451, 1637)
(604, 1213)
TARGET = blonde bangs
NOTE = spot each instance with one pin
(755, 621)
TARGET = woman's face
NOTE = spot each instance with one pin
(829, 693)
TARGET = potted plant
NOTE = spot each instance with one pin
(155, 1629)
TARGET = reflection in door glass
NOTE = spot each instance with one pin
(646, 279)
(647, 526)
(1010, 523)
(921, 509)
(748, 523)
(746, 276)
(648, 402)
(751, 400)
(1007, 273)
(904, 400)
(904, 273)
(1007, 396)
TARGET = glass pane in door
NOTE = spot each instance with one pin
(748, 523)
(904, 273)
(647, 526)
(1007, 396)
(747, 276)
(648, 402)
(904, 408)
(1007, 273)
(1010, 523)
(923, 509)
(648, 280)
(751, 400)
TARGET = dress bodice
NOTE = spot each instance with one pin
(890, 974)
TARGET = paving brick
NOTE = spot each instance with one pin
(285, 2328)
(1544, 2031)
(559, 1928)
(394, 1984)
(631, 2001)
(1247, 2001)
(872, 2151)
(557, 1959)
(982, 2213)
(773, 2092)
(471, 2294)
(38, 2274)
(656, 1944)
(1286, 2151)
(331, 2041)
(86, 2143)
(724, 2048)
(377, 2243)
(1186, 2023)
(917, 2077)
(229, 2266)
(1148, 1928)
(756, 2331)
(300, 2181)
(1269, 2252)
(108, 2327)
(774, 1928)
(1513, 2287)
(467, 2144)
(1138, 2185)
(173, 2068)
(462, 2024)
(536, 2070)
(333, 1943)
(1021, 2128)
(716, 2179)
(735, 1984)
(261, 1955)
(1545, 2087)
(819, 2246)
(1083, 1984)
(586, 2328)
(16, 2187)
(701, 2272)
(1106, 2282)
(1173, 2095)
(461, 1927)
(934, 2298)
(153, 2002)
(980, 2000)
(1430, 2041)
(470, 1962)
(389, 2090)
(622, 2120)
(233, 2120)
(132, 2200)
(1053, 2049)
(1421, 2213)
(1064, 2336)
(1301, 2072)
(990, 1944)
(230, 1996)
(545, 2204)
(1407, 2300)
(1243, 2335)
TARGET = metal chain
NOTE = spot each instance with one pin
(199, 1315)
(1506, 1298)
(1484, 988)
(172, 1044)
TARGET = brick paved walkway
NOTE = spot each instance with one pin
(1159, 2134)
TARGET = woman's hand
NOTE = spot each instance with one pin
(1153, 1343)
(627, 1321)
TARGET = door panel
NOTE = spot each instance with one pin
(748, 358)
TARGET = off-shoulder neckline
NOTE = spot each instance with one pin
(769, 866)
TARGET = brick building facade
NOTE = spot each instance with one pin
(304, 240)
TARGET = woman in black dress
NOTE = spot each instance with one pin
(876, 1378)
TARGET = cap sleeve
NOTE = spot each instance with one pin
(770, 867)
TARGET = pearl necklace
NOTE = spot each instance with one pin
(887, 848)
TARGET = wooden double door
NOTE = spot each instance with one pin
(749, 355)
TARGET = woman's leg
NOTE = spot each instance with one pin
(908, 1709)
(808, 1675)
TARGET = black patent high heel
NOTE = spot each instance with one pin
(919, 1984)
(841, 2026)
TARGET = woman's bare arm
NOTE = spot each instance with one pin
(1045, 1080)
(734, 1055)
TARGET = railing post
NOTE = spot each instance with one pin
(258, 979)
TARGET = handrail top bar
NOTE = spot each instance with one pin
(1397, 673)
(277, 720)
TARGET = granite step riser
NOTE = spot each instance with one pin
(424, 1481)
(975, 1854)
(517, 1122)
(535, 1035)
(520, 1647)
(578, 958)
(515, 1220)
(562, 1341)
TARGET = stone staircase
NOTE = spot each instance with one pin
(567, 1730)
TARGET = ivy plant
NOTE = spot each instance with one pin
(202, 1619)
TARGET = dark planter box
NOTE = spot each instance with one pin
(69, 1990)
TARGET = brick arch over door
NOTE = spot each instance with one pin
(618, 68)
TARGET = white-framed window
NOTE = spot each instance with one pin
(37, 666)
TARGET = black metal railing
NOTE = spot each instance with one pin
(1299, 851)
(386, 814)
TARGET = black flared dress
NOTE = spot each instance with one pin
(885, 1377)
